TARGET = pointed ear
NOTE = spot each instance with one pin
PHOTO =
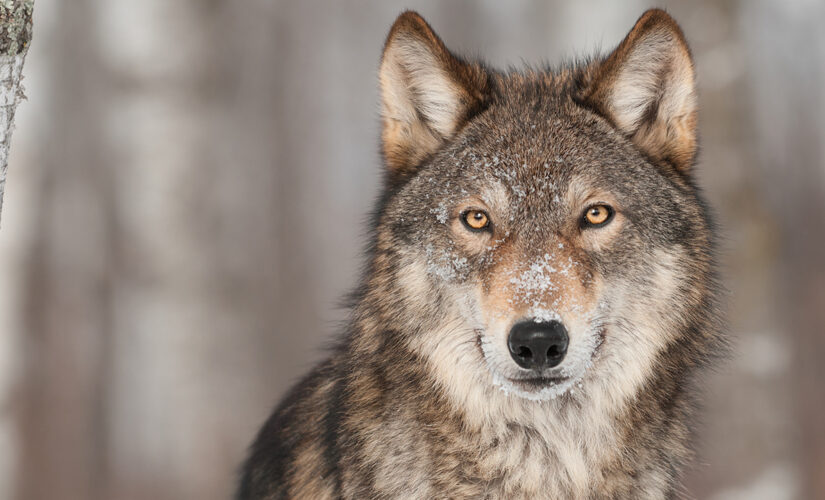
(427, 93)
(647, 88)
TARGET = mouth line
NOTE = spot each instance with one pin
(538, 382)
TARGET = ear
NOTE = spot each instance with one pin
(427, 94)
(647, 88)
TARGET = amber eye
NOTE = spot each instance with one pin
(475, 220)
(597, 215)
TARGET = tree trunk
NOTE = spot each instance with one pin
(15, 37)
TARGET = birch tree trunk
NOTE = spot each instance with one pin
(15, 36)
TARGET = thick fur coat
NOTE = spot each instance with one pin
(560, 197)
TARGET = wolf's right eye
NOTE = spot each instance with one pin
(597, 215)
(475, 220)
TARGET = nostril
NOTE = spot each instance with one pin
(553, 351)
(525, 352)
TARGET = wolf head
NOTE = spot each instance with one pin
(541, 233)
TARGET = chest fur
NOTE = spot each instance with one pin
(523, 464)
(516, 462)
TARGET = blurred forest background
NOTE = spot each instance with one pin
(185, 207)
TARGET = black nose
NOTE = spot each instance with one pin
(537, 346)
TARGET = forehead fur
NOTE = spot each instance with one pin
(533, 131)
(537, 116)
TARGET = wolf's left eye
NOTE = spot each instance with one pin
(475, 220)
(597, 215)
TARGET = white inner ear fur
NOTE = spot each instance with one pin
(413, 83)
(659, 70)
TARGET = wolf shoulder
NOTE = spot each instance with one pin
(292, 450)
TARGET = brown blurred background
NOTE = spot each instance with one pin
(186, 200)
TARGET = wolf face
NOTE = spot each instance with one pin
(547, 218)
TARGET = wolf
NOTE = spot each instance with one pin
(540, 294)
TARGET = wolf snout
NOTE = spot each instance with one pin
(538, 345)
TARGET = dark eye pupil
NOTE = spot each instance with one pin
(478, 216)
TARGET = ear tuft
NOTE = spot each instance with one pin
(647, 88)
(427, 93)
